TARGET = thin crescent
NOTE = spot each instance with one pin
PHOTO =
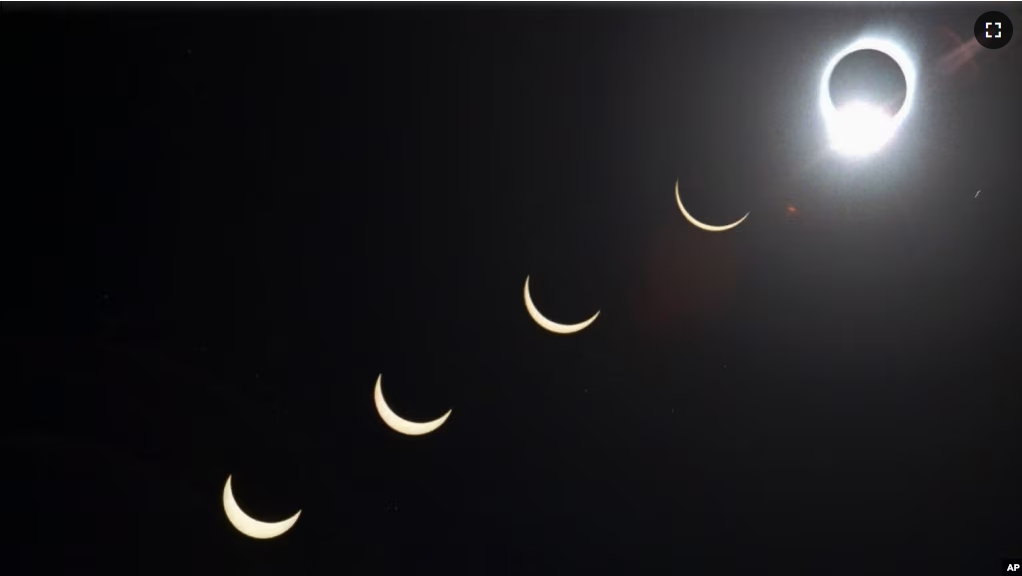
(248, 525)
(699, 224)
(550, 324)
(399, 424)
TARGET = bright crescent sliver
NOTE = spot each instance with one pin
(698, 224)
(248, 525)
(549, 324)
(399, 424)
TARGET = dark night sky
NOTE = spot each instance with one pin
(225, 224)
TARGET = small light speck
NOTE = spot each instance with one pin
(977, 193)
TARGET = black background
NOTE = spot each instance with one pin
(224, 223)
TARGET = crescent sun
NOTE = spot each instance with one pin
(248, 525)
(699, 224)
(549, 324)
(399, 424)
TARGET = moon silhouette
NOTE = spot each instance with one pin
(248, 525)
(399, 424)
(699, 224)
(845, 127)
(549, 324)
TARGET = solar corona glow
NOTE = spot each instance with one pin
(858, 129)
(550, 325)
(399, 424)
(250, 526)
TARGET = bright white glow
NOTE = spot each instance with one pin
(859, 129)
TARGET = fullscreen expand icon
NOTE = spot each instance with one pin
(993, 30)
